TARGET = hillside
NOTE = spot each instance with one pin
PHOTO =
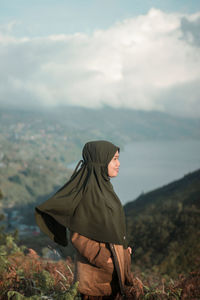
(34, 153)
(119, 124)
(164, 227)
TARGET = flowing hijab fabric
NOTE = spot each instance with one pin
(87, 203)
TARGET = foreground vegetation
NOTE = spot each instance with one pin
(25, 275)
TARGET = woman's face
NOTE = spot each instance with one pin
(113, 166)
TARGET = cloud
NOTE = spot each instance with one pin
(149, 62)
(190, 28)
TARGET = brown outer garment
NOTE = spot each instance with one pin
(97, 277)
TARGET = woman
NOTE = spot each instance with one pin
(88, 206)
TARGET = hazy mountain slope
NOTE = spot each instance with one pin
(116, 124)
(126, 125)
(164, 226)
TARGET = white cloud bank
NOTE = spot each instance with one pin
(150, 62)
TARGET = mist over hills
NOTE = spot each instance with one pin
(108, 122)
(164, 226)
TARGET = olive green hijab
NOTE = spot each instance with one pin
(87, 203)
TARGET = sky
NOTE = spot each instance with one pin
(123, 53)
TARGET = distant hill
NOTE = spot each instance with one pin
(164, 226)
(118, 124)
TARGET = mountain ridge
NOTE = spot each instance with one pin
(119, 123)
(169, 187)
(164, 226)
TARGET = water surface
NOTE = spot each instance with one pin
(149, 165)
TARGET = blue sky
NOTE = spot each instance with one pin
(122, 53)
(44, 17)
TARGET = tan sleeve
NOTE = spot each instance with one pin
(95, 252)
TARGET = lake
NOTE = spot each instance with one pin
(148, 165)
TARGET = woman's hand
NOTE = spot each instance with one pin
(130, 250)
(109, 260)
